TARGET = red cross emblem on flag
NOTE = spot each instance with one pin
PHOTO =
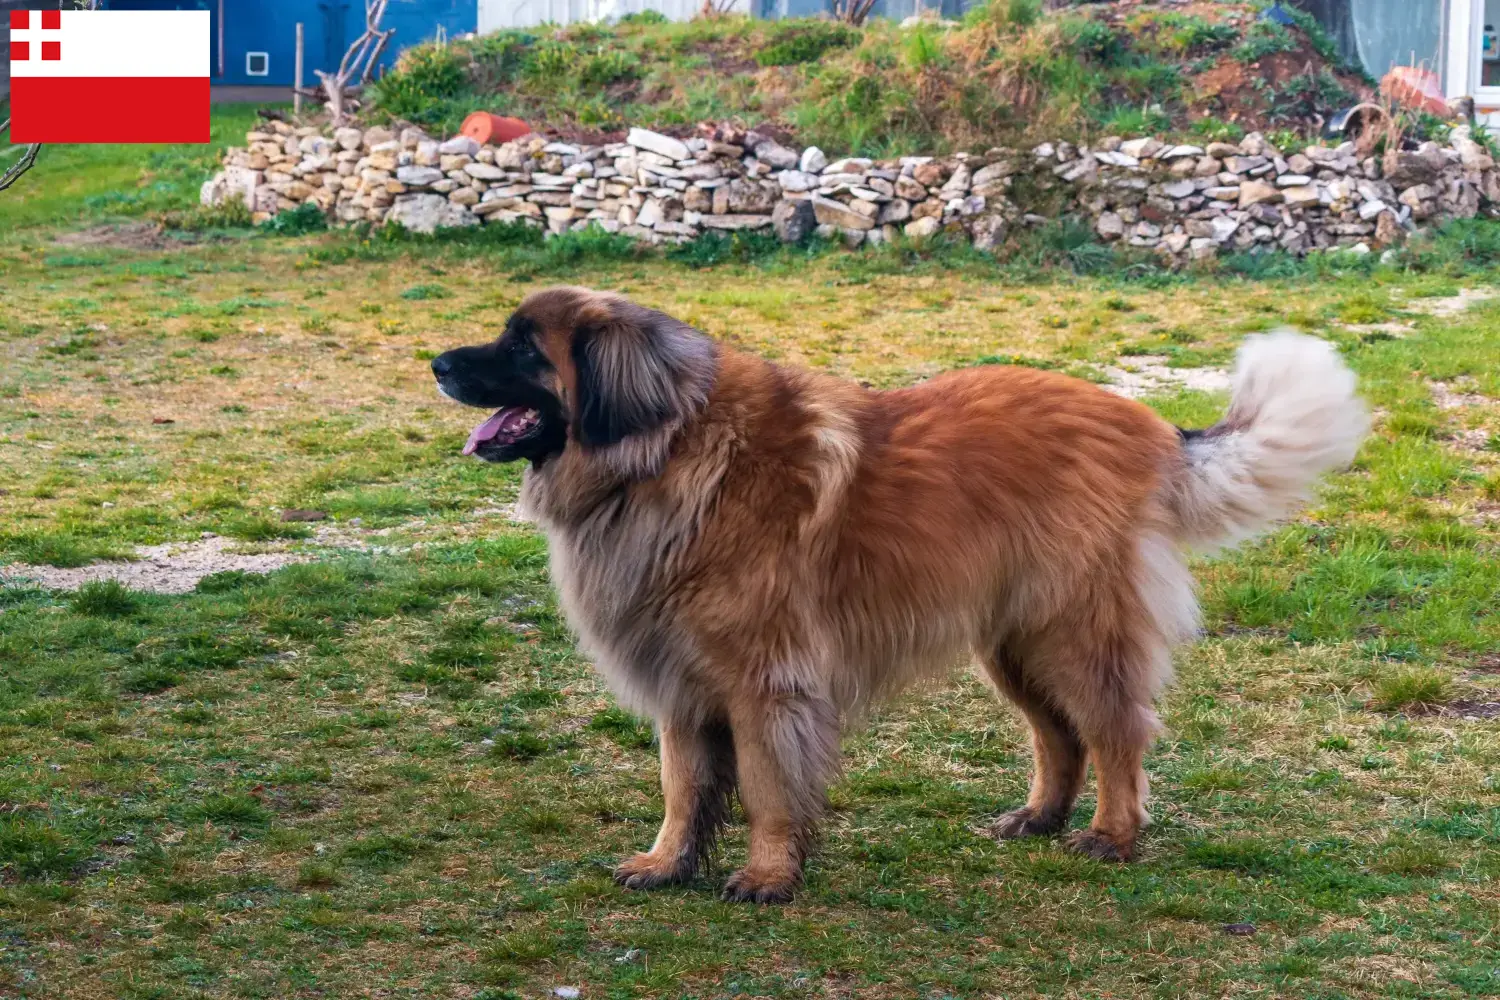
(109, 76)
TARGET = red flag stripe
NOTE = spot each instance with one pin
(104, 109)
(51, 20)
(19, 19)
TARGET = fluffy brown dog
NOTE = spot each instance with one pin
(750, 552)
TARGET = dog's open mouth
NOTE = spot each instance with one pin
(509, 425)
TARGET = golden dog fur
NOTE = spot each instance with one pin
(752, 552)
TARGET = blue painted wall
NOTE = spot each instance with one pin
(329, 26)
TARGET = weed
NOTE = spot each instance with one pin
(32, 847)
(422, 293)
(623, 728)
(519, 746)
(1262, 39)
(1413, 687)
(230, 810)
(305, 218)
(263, 529)
(105, 599)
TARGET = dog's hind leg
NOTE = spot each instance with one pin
(786, 749)
(697, 780)
(1058, 764)
(1102, 674)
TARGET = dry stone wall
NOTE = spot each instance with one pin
(1183, 201)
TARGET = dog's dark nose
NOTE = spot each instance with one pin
(442, 365)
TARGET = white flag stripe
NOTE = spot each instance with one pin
(115, 43)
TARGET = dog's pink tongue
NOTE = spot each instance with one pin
(484, 432)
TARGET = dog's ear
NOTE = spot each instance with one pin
(638, 370)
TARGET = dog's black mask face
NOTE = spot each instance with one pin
(513, 377)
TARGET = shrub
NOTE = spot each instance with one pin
(551, 62)
(1264, 38)
(805, 43)
(424, 76)
(1131, 120)
(305, 218)
(714, 247)
(923, 48)
(232, 213)
(1094, 40)
(1004, 14)
(606, 66)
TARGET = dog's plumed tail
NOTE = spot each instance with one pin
(1293, 415)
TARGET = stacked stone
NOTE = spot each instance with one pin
(868, 201)
(1196, 201)
(1183, 201)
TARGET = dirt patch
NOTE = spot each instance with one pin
(1473, 440)
(581, 134)
(1276, 91)
(1452, 395)
(127, 236)
(1450, 305)
(1487, 663)
(174, 568)
(1147, 375)
(1486, 514)
(1465, 708)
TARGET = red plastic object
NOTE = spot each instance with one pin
(484, 127)
(1415, 88)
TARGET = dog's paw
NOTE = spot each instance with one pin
(1026, 822)
(747, 886)
(647, 871)
(1096, 844)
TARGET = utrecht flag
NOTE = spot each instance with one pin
(109, 75)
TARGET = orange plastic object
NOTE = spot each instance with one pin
(484, 127)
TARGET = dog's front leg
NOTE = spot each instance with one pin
(786, 750)
(697, 779)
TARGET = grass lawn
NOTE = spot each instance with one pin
(71, 181)
(386, 772)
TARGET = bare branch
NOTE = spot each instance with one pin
(853, 12)
(358, 62)
(15, 170)
(28, 157)
(369, 72)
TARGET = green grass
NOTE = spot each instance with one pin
(70, 182)
(389, 771)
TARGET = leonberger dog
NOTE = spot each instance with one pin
(752, 553)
